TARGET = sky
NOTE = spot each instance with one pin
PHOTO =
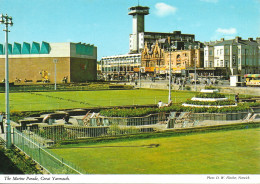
(107, 25)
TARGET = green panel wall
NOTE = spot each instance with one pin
(17, 48)
(79, 48)
(35, 48)
(83, 49)
(26, 48)
(1, 49)
(45, 48)
(10, 50)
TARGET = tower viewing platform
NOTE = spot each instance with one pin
(140, 10)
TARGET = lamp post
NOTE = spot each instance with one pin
(5, 19)
(55, 61)
(170, 76)
(195, 74)
(140, 73)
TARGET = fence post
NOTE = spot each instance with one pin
(13, 136)
(39, 154)
(23, 141)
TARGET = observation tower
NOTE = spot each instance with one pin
(138, 13)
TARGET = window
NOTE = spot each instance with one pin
(147, 63)
(178, 59)
(210, 53)
(221, 51)
(226, 51)
(221, 63)
(226, 63)
(210, 64)
(239, 60)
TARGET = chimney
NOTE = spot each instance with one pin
(258, 40)
(238, 39)
(222, 39)
(250, 39)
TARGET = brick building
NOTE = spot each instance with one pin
(34, 63)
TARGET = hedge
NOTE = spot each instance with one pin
(175, 107)
(216, 103)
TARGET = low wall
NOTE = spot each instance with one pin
(232, 90)
(133, 121)
(218, 116)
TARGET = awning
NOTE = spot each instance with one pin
(252, 75)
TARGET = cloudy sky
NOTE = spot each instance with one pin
(106, 24)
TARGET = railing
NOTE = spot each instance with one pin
(46, 135)
(48, 160)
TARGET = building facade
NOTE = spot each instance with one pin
(147, 48)
(34, 63)
(120, 65)
(236, 56)
(156, 60)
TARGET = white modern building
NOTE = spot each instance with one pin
(120, 65)
(237, 56)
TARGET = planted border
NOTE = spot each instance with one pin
(210, 95)
(210, 103)
(174, 108)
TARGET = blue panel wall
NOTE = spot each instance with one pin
(45, 48)
(26, 48)
(35, 48)
(17, 48)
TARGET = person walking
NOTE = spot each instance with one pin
(237, 98)
(66, 118)
(2, 122)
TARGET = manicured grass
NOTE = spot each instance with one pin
(223, 152)
(83, 99)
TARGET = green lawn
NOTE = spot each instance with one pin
(224, 152)
(82, 99)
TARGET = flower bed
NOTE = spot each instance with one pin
(217, 106)
(210, 95)
(211, 103)
(208, 99)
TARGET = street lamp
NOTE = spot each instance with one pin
(170, 76)
(195, 74)
(140, 73)
(55, 61)
(5, 19)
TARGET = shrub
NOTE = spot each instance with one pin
(210, 95)
(210, 87)
(116, 130)
(188, 88)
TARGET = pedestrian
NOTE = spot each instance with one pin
(237, 98)
(2, 122)
(160, 104)
(66, 118)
